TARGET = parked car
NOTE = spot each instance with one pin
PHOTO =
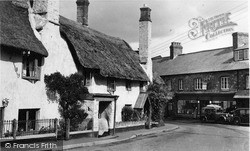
(214, 113)
(239, 116)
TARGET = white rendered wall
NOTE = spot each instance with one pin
(99, 85)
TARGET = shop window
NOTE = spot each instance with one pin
(180, 83)
(198, 84)
(111, 85)
(224, 83)
(128, 85)
(31, 67)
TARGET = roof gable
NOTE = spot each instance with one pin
(95, 50)
(204, 61)
(16, 30)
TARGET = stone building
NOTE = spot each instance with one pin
(219, 76)
(36, 40)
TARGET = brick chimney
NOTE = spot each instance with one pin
(175, 49)
(145, 24)
(82, 11)
(239, 39)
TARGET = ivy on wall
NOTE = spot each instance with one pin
(69, 92)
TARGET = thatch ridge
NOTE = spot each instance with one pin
(15, 30)
(95, 50)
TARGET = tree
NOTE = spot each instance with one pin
(69, 92)
(158, 94)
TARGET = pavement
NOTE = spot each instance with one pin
(118, 137)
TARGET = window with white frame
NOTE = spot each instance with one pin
(241, 54)
(224, 83)
(247, 81)
(111, 85)
(246, 57)
(198, 84)
(180, 83)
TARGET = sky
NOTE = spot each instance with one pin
(170, 21)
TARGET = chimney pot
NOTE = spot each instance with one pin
(239, 39)
(145, 13)
(82, 11)
(175, 49)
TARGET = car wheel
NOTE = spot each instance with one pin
(236, 121)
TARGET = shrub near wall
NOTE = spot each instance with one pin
(129, 114)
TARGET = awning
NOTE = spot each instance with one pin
(243, 94)
(139, 104)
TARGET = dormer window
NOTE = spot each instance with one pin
(241, 54)
(31, 67)
(111, 85)
(128, 85)
(87, 78)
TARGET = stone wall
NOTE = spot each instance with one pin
(237, 80)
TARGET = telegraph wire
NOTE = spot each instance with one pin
(161, 46)
(186, 32)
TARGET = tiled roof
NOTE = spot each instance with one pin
(204, 61)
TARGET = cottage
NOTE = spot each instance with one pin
(219, 76)
(38, 41)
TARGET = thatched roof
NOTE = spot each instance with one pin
(198, 62)
(15, 29)
(95, 50)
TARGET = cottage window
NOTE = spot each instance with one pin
(224, 83)
(142, 86)
(247, 81)
(31, 67)
(111, 85)
(128, 85)
(198, 84)
(87, 79)
(169, 85)
(180, 83)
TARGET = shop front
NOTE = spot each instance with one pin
(189, 104)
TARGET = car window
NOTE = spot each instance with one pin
(242, 112)
(247, 112)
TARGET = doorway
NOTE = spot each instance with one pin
(104, 115)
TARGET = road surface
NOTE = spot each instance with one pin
(189, 137)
